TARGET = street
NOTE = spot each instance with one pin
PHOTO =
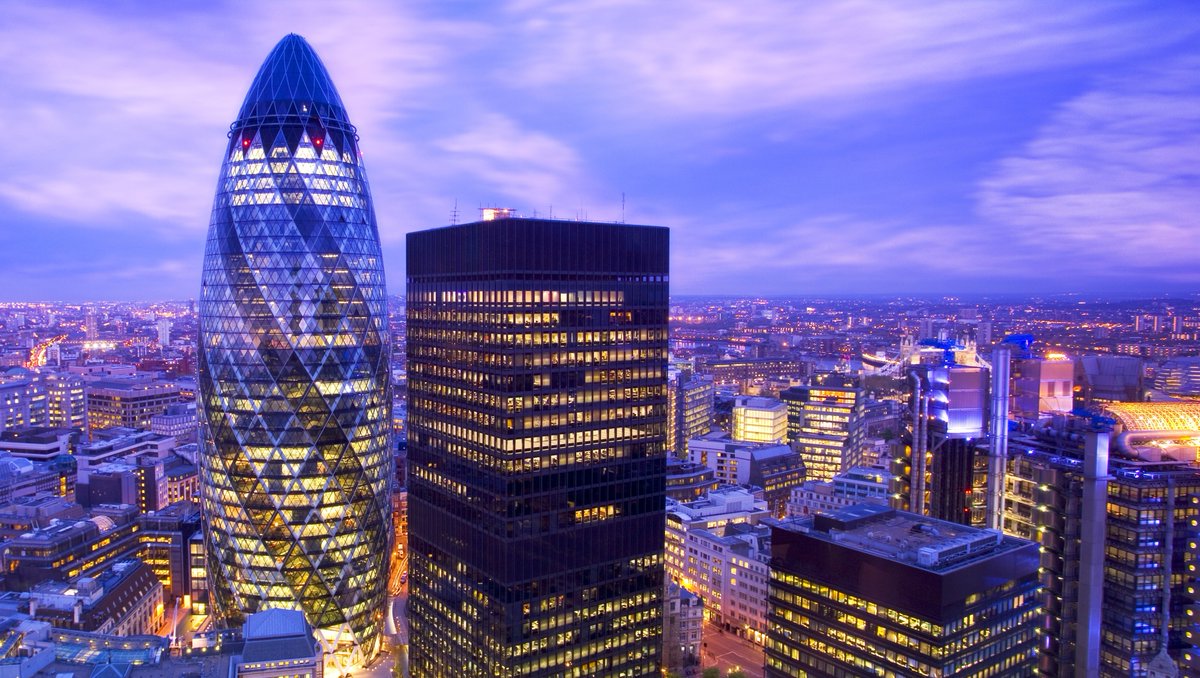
(727, 651)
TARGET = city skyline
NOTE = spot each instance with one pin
(838, 149)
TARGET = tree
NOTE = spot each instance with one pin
(711, 672)
(736, 674)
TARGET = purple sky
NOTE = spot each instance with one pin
(792, 147)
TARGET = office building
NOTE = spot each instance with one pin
(869, 590)
(178, 421)
(741, 370)
(875, 427)
(858, 485)
(759, 420)
(39, 443)
(23, 400)
(689, 409)
(129, 403)
(1179, 377)
(727, 567)
(1150, 494)
(1113, 526)
(294, 366)
(537, 356)
(66, 550)
(717, 547)
(942, 470)
(818, 422)
(20, 478)
(1042, 387)
(1109, 378)
(774, 467)
(715, 510)
(686, 481)
(66, 400)
(126, 600)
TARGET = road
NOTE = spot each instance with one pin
(727, 651)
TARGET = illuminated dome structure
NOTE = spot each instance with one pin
(294, 378)
(1158, 431)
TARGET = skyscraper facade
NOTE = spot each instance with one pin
(537, 357)
(818, 422)
(294, 380)
(871, 591)
(689, 409)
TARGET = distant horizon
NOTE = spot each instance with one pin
(1193, 297)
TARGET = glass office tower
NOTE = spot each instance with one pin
(294, 379)
(537, 357)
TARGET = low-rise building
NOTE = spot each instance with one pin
(774, 467)
(687, 481)
(683, 627)
(126, 600)
(715, 548)
(278, 644)
(38, 443)
(857, 485)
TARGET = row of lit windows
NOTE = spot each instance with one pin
(523, 296)
(460, 318)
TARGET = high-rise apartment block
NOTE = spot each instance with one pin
(294, 366)
(869, 590)
(689, 409)
(537, 357)
(818, 422)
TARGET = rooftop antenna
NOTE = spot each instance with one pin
(454, 213)
(622, 207)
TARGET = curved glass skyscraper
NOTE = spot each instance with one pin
(294, 373)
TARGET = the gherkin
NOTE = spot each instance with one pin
(294, 378)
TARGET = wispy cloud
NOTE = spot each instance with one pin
(116, 113)
(1110, 181)
(125, 114)
(719, 58)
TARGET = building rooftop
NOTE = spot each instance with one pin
(277, 634)
(919, 541)
(35, 434)
(758, 403)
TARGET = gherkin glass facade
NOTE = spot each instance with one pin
(294, 374)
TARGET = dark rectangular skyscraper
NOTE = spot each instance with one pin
(537, 356)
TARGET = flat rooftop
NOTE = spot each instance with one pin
(919, 541)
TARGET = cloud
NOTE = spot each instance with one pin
(715, 58)
(1110, 180)
(516, 163)
(120, 114)
(767, 251)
